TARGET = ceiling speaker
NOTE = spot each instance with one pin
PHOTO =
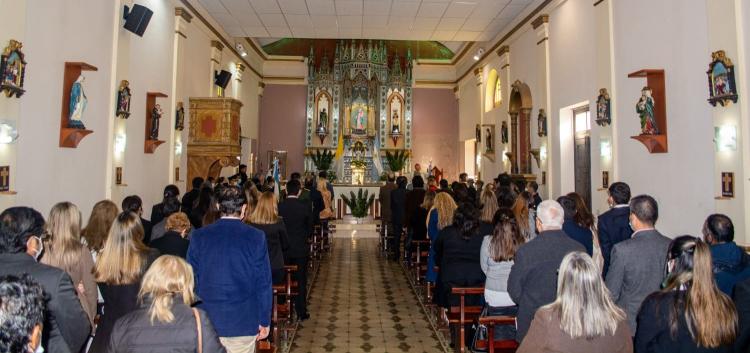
(137, 18)
(222, 78)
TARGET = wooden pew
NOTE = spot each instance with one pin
(498, 346)
(419, 260)
(462, 314)
(282, 313)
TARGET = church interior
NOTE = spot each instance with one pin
(103, 99)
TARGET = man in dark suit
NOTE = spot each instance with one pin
(614, 225)
(157, 211)
(133, 203)
(398, 215)
(533, 189)
(297, 217)
(66, 326)
(242, 175)
(414, 199)
(235, 290)
(385, 202)
(533, 278)
(637, 266)
(189, 198)
(742, 302)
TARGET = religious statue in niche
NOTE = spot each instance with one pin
(359, 121)
(542, 123)
(77, 105)
(179, 121)
(645, 110)
(603, 108)
(504, 132)
(395, 122)
(721, 85)
(123, 100)
(322, 121)
(12, 69)
(489, 138)
(478, 133)
(155, 117)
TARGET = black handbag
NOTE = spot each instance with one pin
(480, 343)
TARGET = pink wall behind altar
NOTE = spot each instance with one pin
(435, 130)
(282, 125)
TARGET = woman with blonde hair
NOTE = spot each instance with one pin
(266, 218)
(439, 217)
(64, 250)
(525, 217)
(690, 313)
(118, 272)
(164, 317)
(174, 241)
(327, 211)
(96, 230)
(583, 318)
(489, 207)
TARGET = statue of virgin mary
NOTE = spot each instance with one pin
(77, 104)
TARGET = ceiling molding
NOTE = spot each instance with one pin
(220, 36)
(502, 40)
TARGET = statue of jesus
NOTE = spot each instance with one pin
(395, 123)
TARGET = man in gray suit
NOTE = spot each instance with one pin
(385, 201)
(533, 277)
(638, 264)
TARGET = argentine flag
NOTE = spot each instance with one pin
(276, 181)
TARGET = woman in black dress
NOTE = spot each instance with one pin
(265, 217)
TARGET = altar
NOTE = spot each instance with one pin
(358, 107)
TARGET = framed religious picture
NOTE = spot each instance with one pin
(721, 86)
(544, 177)
(727, 184)
(605, 179)
(177, 174)
(118, 176)
(179, 122)
(603, 108)
(281, 155)
(542, 123)
(12, 69)
(4, 178)
(504, 132)
(488, 133)
(123, 100)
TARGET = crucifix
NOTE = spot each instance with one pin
(5, 175)
(727, 184)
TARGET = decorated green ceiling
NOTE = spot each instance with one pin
(426, 50)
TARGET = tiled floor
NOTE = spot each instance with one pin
(360, 302)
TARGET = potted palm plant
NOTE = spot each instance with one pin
(397, 160)
(359, 203)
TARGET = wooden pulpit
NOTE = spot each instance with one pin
(214, 136)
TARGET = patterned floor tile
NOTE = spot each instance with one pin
(362, 303)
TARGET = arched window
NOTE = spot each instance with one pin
(498, 98)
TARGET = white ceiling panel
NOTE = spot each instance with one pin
(451, 24)
(225, 19)
(321, 7)
(299, 20)
(401, 23)
(265, 6)
(350, 21)
(375, 33)
(324, 21)
(350, 32)
(404, 8)
(432, 9)
(273, 20)
(235, 31)
(375, 21)
(255, 31)
(349, 7)
(303, 31)
(279, 32)
(476, 24)
(377, 7)
(466, 36)
(293, 7)
(460, 9)
(213, 6)
(424, 23)
(443, 35)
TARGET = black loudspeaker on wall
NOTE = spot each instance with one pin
(137, 18)
(222, 78)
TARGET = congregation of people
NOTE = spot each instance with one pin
(198, 276)
(572, 281)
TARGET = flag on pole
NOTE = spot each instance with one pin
(276, 181)
(376, 157)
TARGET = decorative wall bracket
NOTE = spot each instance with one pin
(534, 152)
(657, 143)
(322, 133)
(70, 137)
(395, 136)
(150, 144)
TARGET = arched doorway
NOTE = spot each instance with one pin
(519, 109)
